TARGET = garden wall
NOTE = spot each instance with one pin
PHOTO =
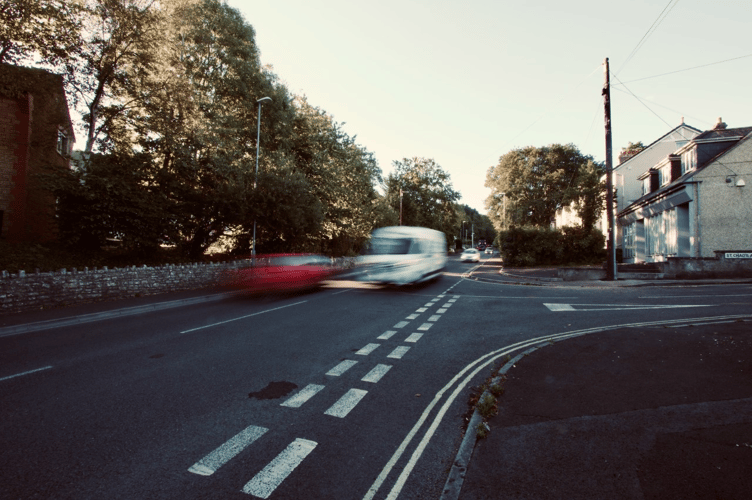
(33, 291)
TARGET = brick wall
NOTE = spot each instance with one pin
(33, 291)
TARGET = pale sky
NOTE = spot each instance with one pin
(466, 82)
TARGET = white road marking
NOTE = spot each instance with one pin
(442, 310)
(398, 352)
(265, 482)
(559, 307)
(387, 335)
(401, 324)
(368, 349)
(425, 326)
(346, 403)
(421, 310)
(25, 373)
(307, 393)
(412, 316)
(414, 337)
(614, 307)
(435, 317)
(485, 361)
(217, 458)
(455, 297)
(342, 368)
(243, 317)
(448, 305)
(376, 374)
(430, 304)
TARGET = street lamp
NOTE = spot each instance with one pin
(261, 101)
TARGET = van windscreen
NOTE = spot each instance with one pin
(387, 246)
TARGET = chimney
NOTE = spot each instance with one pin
(720, 125)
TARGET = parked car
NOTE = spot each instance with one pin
(402, 255)
(275, 272)
(470, 255)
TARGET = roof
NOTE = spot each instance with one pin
(715, 135)
(657, 141)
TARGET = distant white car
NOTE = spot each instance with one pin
(489, 250)
(470, 255)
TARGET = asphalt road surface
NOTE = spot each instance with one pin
(348, 392)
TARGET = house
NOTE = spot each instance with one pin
(35, 133)
(694, 202)
(631, 164)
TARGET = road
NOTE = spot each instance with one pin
(348, 392)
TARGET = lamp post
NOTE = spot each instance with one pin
(261, 101)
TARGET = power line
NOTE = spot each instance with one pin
(666, 10)
(689, 69)
(640, 101)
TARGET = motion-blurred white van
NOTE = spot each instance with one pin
(401, 255)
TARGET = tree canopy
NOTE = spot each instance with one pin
(536, 182)
(427, 196)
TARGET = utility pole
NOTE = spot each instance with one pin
(611, 244)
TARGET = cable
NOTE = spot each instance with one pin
(640, 101)
(665, 12)
(689, 69)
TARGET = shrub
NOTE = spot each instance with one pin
(533, 246)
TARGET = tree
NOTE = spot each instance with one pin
(118, 44)
(536, 182)
(479, 224)
(48, 29)
(427, 196)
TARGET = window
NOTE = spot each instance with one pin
(63, 143)
(629, 240)
(664, 175)
(646, 186)
(689, 160)
(671, 235)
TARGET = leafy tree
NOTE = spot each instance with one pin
(480, 224)
(48, 29)
(428, 198)
(538, 181)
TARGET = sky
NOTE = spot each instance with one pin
(466, 82)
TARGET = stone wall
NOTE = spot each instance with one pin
(708, 268)
(33, 291)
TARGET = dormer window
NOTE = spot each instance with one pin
(689, 160)
(63, 143)
(664, 175)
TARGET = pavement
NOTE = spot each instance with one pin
(635, 413)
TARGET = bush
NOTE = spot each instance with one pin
(532, 246)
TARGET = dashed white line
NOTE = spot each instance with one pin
(442, 310)
(398, 352)
(448, 304)
(376, 374)
(421, 310)
(365, 351)
(346, 403)
(25, 373)
(217, 458)
(387, 335)
(435, 317)
(414, 337)
(307, 393)
(425, 326)
(401, 324)
(265, 482)
(412, 316)
(342, 368)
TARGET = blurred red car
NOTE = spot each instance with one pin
(273, 272)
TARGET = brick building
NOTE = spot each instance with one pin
(35, 133)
